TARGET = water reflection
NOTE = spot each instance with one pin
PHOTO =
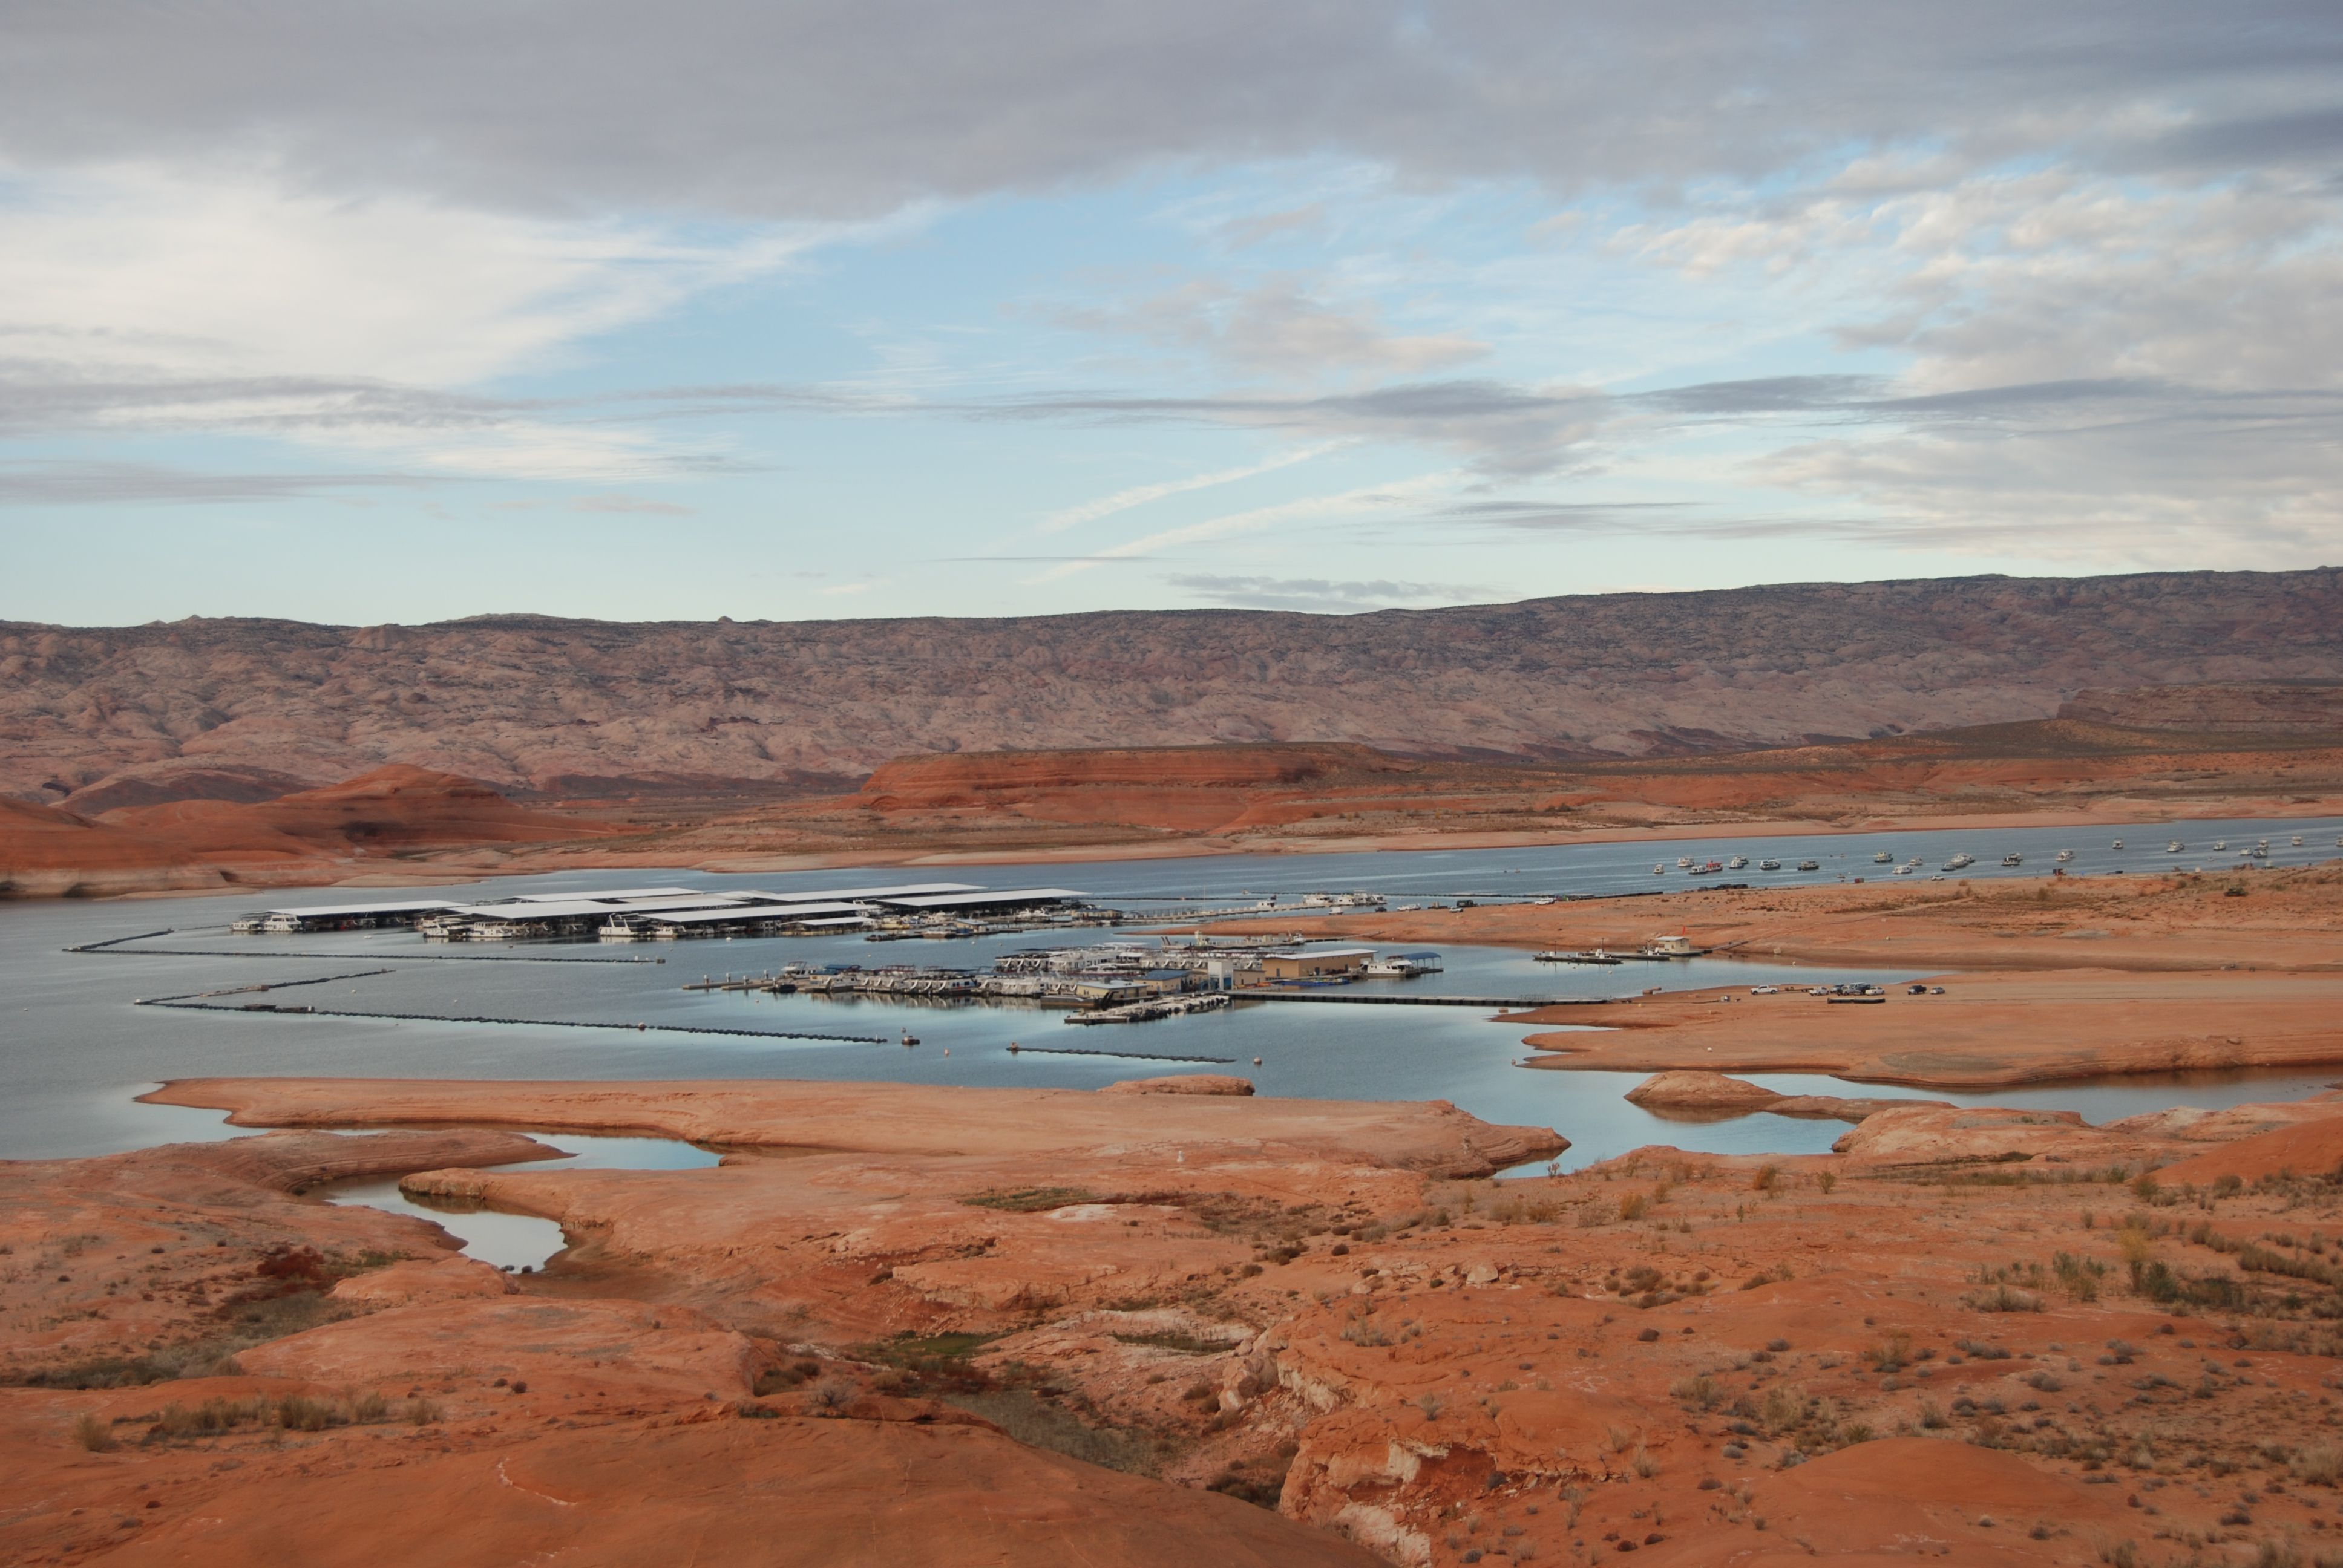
(522, 1242)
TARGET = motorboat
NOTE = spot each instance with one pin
(1738, 861)
(2013, 858)
(2219, 845)
(2064, 856)
(1903, 871)
(2298, 840)
(2117, 845)
(1883, 859)
(1777, 865)
(1683, 862)
(2175, 847)
(1810, 865)
(1659, 870)
(1958, 861)
(1712, 868)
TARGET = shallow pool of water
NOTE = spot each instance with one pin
(524, 1242)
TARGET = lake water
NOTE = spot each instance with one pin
(75, 1050)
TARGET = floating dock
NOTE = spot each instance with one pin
(1504, 1003)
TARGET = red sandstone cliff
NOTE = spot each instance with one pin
(314, 834)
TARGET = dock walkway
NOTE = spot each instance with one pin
(1505, 1003)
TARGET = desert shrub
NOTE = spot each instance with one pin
(1699, 1392)
(1768, 1178)
(1892, 1353)
(2078, 1277)
(298, 1413)
(2321, 1465)
(2003, 1299)
(92, 1434)
(1632, 1206)
(1031, 1200)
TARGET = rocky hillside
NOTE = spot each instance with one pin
(2291, 707)
(99, 719)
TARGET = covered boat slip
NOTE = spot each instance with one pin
(629, 913)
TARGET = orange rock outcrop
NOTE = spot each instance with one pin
(1288, 1337)
(311, 836)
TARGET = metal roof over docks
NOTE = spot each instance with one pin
(403, 907)
(973, 901)
(574, 909)
(739, 914)
(618, 895)
(880, 895)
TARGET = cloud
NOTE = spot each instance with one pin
(1318, 593)
(1259, 228)
(62, 484)
(1501, 429)
(236, 272)
(1141, 494)
(1263, 522)
(139, 296)
(629, 506)
(1275, 329)
(852, 107)
(1567, 516)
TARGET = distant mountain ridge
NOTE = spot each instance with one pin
(242, 709)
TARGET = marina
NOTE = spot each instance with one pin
(636, 914)
(80, 1049)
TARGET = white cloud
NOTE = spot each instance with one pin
(134, 298)
(1277, 327)
(1266, 521)
(1141, 494)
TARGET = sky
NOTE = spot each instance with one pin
(363, 312)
